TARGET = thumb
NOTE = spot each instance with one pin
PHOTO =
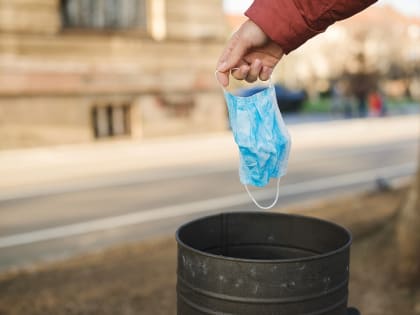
(233, 53)
(231, 56)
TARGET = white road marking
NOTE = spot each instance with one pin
(109, 181)
(203, 206)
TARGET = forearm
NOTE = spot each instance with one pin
(291, 23)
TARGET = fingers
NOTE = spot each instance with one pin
(254, 71)
(241, 73)
(265, 73)
(223, 78)
(250, 73)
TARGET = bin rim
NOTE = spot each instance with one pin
(267, 261)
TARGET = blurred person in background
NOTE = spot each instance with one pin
(336, 99)
(376, 104)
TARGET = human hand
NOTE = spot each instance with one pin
(252, 52)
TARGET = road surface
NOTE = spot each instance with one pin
(84, 215)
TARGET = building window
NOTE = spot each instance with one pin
(111, 120)
(104, 14)
(178, 106)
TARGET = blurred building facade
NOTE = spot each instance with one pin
(78, 70)
(380, 43)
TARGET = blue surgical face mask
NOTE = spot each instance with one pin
(261, 135)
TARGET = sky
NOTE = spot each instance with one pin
(408, 7)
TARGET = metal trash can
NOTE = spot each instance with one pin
(262, 263)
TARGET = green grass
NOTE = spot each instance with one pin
(322, 105)
(397, 102)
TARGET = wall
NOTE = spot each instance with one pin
(50, 78)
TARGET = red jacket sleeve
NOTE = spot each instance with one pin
(290, 23)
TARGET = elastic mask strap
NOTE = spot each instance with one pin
(265, 207)
(230, 72)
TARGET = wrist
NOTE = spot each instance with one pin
(253, 35)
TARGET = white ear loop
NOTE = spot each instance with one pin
(275, 199)
(230, 72)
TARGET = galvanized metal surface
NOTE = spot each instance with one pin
(262, 263)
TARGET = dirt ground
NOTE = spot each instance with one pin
(140, 279)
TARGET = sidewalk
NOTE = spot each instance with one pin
(27, 168)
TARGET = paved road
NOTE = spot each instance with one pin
(130, 206)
